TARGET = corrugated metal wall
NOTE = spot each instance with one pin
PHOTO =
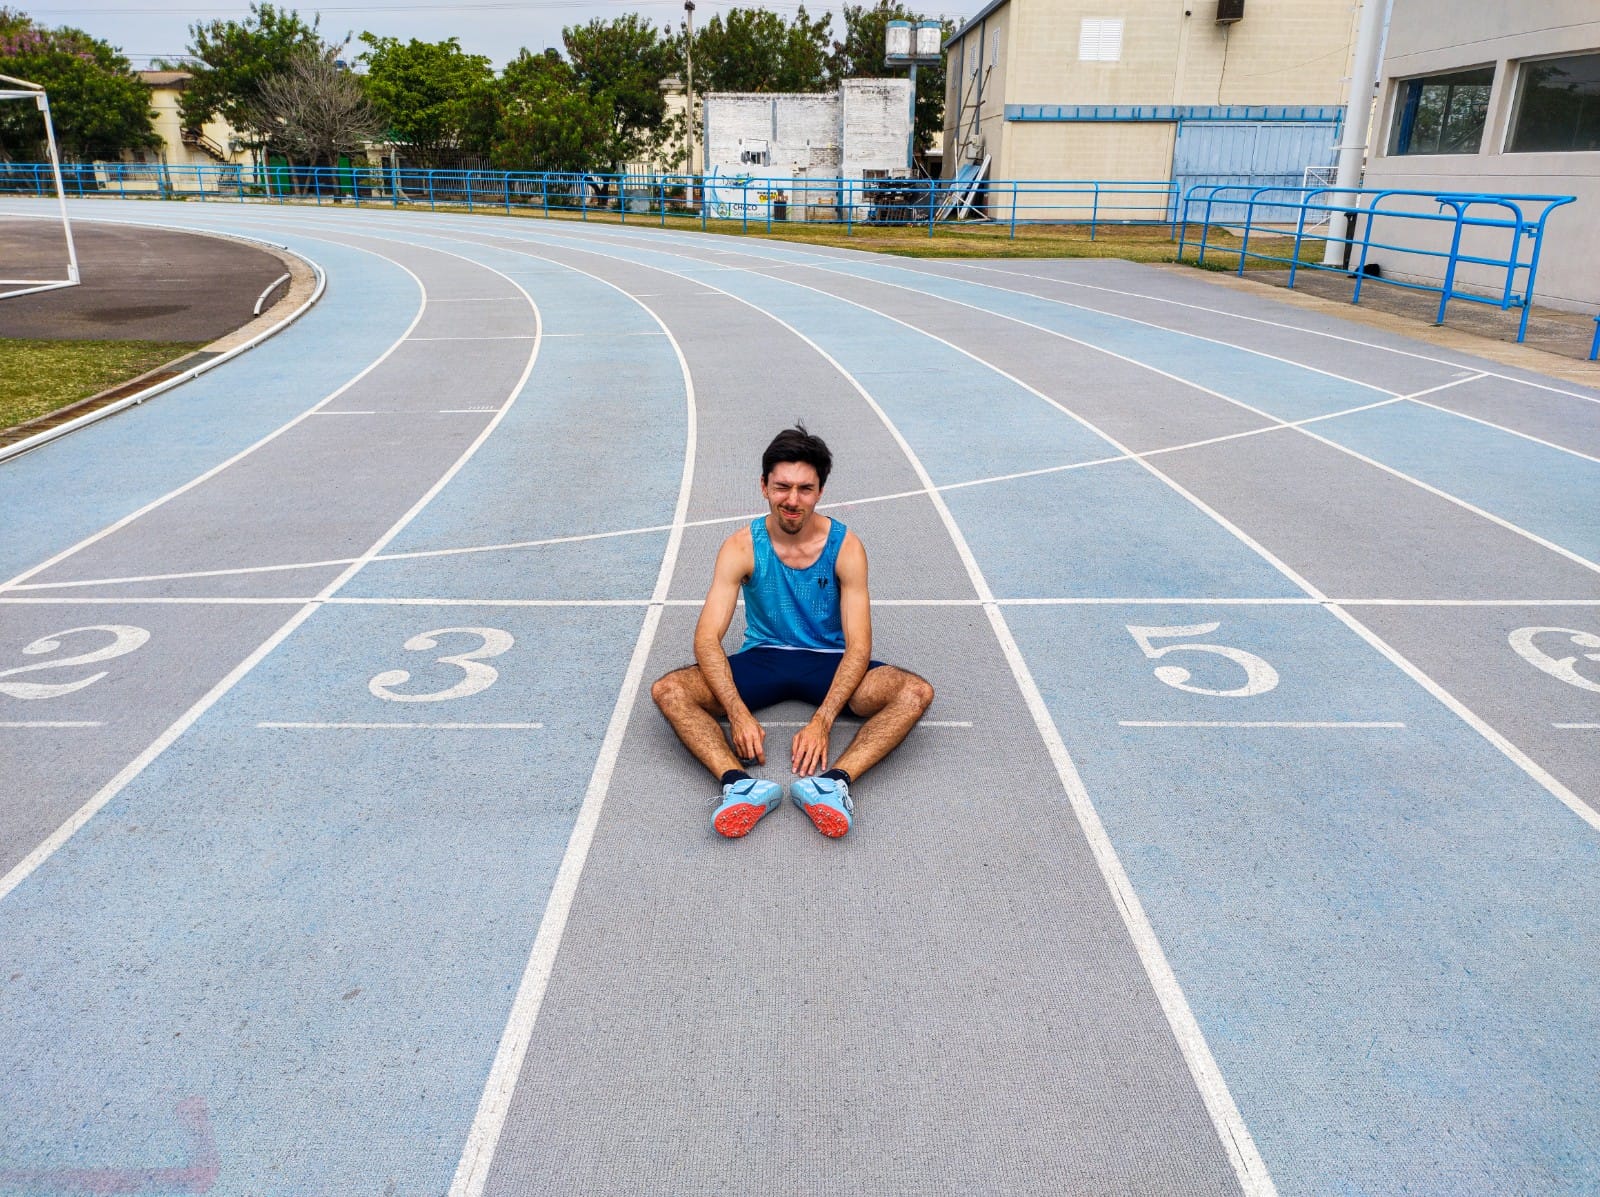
(1262, 154)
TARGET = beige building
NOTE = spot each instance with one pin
(213, 144)
(1148, 89)
(1483, 95)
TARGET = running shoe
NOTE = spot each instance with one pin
(743, 804)
(826, 800)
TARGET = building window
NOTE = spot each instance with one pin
(1442, 114)
(1100, 40)
(1558, 105)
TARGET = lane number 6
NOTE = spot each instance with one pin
(1259, 676)
(125, 640)
(475, 675)
(1564, 668)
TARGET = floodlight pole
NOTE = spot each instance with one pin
(1357, 127)
(688, 59)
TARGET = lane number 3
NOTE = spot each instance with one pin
(124, 640)
(1259, 677)
(475, 675)
(1564, 668)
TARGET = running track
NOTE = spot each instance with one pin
(1253, 845)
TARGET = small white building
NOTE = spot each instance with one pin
(1481, 95)
(783, 153)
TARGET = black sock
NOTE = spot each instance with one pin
(733, 775)
(838, 775)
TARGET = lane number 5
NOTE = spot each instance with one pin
(1259, 676)
(124, 640)
(475, 675)
(1565, 668)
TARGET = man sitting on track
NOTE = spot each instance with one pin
(808, 636)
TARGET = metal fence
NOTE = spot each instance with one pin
(752, 201)
(1476, 247)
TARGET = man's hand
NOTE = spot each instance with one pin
(749, 738)
(809, 753)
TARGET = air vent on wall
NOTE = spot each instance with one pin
(1229, 11)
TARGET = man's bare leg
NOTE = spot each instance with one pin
(892, 700)
(691, 708)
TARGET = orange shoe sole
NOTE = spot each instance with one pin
(737, 821)
(829, 821)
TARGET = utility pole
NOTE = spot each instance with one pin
(688, 59)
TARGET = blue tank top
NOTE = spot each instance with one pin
(793, 608)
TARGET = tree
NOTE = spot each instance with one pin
(232, 59)
(546, 120)
(98, 105)
(313, 109)
(432, 98)
(860, 55)
(753, 49)
(620, 64)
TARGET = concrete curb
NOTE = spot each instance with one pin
(224, 349)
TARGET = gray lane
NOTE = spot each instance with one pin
(946, 1001)
(1470, 651)
(51, 771)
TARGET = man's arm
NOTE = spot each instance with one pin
(735, 561)
(810, 747)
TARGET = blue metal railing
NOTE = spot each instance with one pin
(1594, 346)
(1500, 237)
(750, 200)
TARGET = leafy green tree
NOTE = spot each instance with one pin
(860, 55)
(620, 64)
(98, 105)
(230, 60)
(546, 120)
(433, 98)
(754, 49)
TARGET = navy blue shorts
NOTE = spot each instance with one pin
(764, 676)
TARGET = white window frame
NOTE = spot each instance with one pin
(1100, 39)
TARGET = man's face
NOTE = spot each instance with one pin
(792, 490)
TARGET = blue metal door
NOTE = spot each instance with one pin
(1250, 153)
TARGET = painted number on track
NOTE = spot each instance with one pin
(1259, 677)
(1564, 668)
(475, 675)
(124, 640)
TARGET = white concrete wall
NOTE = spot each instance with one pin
(1435, 36)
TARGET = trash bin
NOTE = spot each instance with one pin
(780, 207)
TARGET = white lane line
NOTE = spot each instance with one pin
(472, 1170)
(48, 847)
(152, 599)
(1233, 315)
(519, 337)
(1233, 1134)
(920, 723)
(464, 411)
(118, 525)
(1331, 723)
(49, 723)
(1527, 436)
(1578, 726)
(1516, 529)
(606, 335)
(1516, 755)
(406, 726)
(352, 412)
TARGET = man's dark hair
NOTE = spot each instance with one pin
(796, 444)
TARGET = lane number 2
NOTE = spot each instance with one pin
(124, 640)
(1259, 676)
(1564, 668)
(475, 675)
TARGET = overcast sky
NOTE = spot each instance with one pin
(146, 29)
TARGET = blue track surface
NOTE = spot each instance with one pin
(1377, 902)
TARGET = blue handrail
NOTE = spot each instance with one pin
(852, 202)
(1475, 231)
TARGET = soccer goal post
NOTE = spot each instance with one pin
(21, 91)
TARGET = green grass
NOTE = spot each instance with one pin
(37, 377)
